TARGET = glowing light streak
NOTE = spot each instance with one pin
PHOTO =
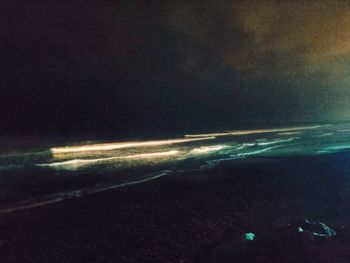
(240, 155)
(249, 144)
(276, 141)
(324, 135)
(247, 132)
(121, 145)
(208, 149)
(91, 161)
(289, 133)
(334, 148)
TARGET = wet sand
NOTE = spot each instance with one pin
(198, 216)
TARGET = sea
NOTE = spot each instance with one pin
(45, 174)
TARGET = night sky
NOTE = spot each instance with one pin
(121, 68)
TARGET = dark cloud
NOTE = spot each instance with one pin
(267, 35)
(122, 67)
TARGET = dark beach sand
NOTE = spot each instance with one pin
(197, 216)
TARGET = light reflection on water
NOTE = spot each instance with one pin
(71, 171)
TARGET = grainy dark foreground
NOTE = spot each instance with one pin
(195, 217)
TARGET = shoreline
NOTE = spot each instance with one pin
(197, 216)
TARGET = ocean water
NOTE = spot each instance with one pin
(44, 175)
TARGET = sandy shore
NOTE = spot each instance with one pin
(195, 217)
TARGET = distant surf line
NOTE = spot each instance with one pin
(121, 145)
(97, 160)
(248, 132)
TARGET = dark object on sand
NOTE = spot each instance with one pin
(316, 229)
